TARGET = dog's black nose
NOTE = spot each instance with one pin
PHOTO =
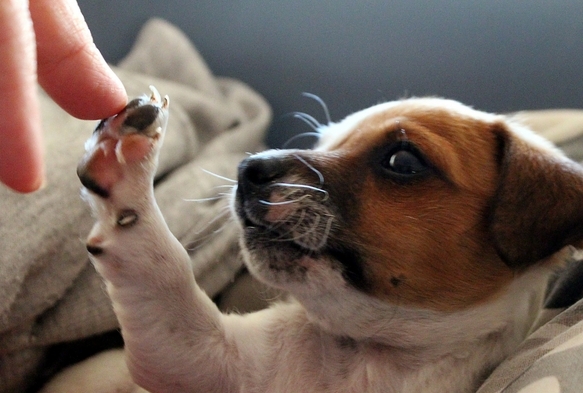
(257, 171)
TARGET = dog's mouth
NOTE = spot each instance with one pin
(269, 245)
(258, 235)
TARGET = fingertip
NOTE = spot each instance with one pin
(93, 90)
(100, 92)
(26, 186)
(22, 160)
(23, 174)
(70, 67)
(115, 96)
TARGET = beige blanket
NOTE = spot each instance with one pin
(49, 292)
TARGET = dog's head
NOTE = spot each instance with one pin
(424, 203)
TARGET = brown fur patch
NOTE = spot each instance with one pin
(430, 236)
(539, 203)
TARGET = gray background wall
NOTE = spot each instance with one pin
(495, 55)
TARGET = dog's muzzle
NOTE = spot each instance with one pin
(275, 199)
(287, 213)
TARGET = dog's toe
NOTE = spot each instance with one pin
(133, 136)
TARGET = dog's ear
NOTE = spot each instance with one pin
(538, 207)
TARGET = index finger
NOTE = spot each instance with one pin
(70, 67)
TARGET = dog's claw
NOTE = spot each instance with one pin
(123, 139)
(154, 94)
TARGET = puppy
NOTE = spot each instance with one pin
(416, 239)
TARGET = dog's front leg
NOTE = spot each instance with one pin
(173, 333)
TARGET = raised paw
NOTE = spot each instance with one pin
(125, 145)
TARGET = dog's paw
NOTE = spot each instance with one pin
(128, 141)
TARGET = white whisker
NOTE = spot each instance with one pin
(311, 167)
(200, 200)
(206, 232)
(304, 186)
(288, 202)
(309, 120)
(303, 134)
(310, 230)
(219, 216)
(218, 176)
(299, 221)
(328, 227)
(322, 103)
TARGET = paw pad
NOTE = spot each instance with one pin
(127, 218)
(133, 136)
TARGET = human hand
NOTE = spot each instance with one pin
(46, 40)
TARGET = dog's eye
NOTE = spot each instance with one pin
(404, 161)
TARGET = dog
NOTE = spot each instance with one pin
(416, 240)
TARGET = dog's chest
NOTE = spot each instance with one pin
(367, 374)
(311, 360)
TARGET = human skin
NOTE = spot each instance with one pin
(46, 41)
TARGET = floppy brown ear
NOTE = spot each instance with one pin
(538, 207)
